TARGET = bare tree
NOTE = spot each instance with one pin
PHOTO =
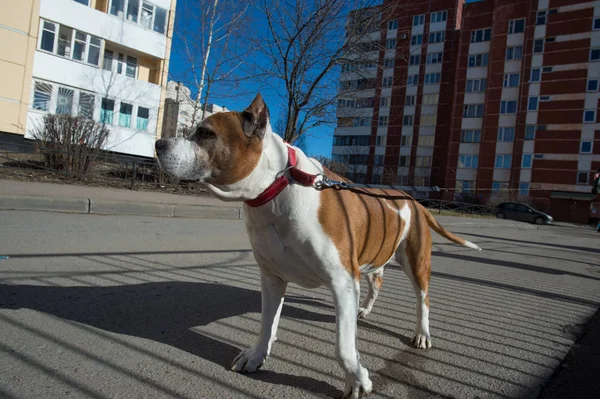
(304, 43)
(211, 45)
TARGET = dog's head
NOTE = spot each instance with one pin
(222, 150)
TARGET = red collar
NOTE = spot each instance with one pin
(282, 182)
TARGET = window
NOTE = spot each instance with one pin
(423, 162)
(538, 156)
(393, 24)
(589, 116)
(473, 111)
(48, 35)
(384, 102)
(538, 46)
(468, 161)
(416, 39)
(596, 25)
(351, 140)
(387, 81)
(523, 189)
(582, 177)
(470, 136)
(85, 106)
(439, 16)
(541, 18)
(503, 161)
(592, 85)
(107, 109)
(478, 60)
(547, 69)
(506, 133)
(595, 54)
(428, 120)
(426, 141)
(415, 59)
(544, 98)
(529, 132)
(430, 99)
(535, 74)
(380, 140)
(404, 160)
(362, 121)
(408, 120)
(586, 147)
(42, 92)
(413, 80)
(418, 20)
(410, 100)
(148, 15)
(383, 120)
(516, 26)
(64, 101)
(437, 37)
(434, 58)
(532, 104)
(358, 159)
(498, 186)
(550, 39)
(107, 63)
(476, 85)
(511, 80)
(514, 53)
(526, 161)
(508, 107)
(481, 35)
(406, 140)
(465, 186)
(432, 78)
(70, 43)
(390, 44)
(131, 69)
(125, 112)
(84, 2)
(364, 102)
(388, 63)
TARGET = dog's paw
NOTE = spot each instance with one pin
(249, 360)
(422, 341)
(357, 385)
(363, 312)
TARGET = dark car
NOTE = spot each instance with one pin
(522, 212)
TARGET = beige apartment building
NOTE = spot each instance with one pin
(103, 59)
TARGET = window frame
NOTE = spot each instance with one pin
(587, 142)
(506, 134)
(481, 57)
(533, 103)
(512, 26)
(587, 112)
(508, 81)
(536, 44)
(481, 35)
(138, 21)
(512, 50)
(503, 158)
(475, 135)
(504, 107)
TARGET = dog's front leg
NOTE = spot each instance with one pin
(273, 290)
(345, 296)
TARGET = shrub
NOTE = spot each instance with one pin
(70, 144)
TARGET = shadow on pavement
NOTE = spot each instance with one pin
(163, 312)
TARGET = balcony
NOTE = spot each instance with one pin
(107, 26)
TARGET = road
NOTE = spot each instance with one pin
(142, 307)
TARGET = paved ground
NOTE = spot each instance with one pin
(142, 307)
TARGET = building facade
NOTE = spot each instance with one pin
(103, 59)
(481, 98)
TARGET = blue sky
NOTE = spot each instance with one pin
(318, 140)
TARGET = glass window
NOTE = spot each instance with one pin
(594, 54)
(439, 16)
(523, 189)
(64, 101)
(529, 132)
(473, 111)
(79, 46)
(131, 70)
(434, 58)
(582, 177)
(65, 36)
(390, 44)
(418, 20)
(596, 23)
(535, 74)
(85, 107)
(527, 160)
(383, 120)
(160, 20)
(404, 160)
(48, 34)
(516, 26)
(541, 18)
(117, 7)
(147, 13)
(388, 63)
(481, 35)
(84, 2)
(414, 59)
(108, 60)
(592, 85)
(125, 112)
(478, 60)
(133, 9)
(407, 120)
(532, 104)
(589, 116)
(511, 80)
(107, 110)
(503, 161)
(416, 39)
(538, 46)
(437, 37)
(508, 107)
(506, 133)
(514, 53)
(586, 146)
(42, 92)
(93, 56)
(413, 80)
(410, 100)
(393, 24)
(470, 136)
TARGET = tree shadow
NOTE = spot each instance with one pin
(164, 312)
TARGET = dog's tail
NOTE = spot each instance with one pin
(437, 227)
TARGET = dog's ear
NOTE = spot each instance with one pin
(255, 118)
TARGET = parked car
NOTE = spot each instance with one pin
(522, 212)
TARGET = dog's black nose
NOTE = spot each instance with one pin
(161, 145)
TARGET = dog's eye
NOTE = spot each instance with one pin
(203, 134)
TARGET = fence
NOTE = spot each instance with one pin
(459, 208)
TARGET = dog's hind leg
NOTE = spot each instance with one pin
(273, 290)
(375, 280)
(414, 255)
(346, 293)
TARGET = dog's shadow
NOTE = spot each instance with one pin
(164, 312)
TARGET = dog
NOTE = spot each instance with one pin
(305, 235)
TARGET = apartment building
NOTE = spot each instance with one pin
(103, 59)
(513, 109)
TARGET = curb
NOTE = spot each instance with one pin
(107, 207)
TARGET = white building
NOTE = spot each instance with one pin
(107, 59)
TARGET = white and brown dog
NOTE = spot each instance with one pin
(303, 235)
